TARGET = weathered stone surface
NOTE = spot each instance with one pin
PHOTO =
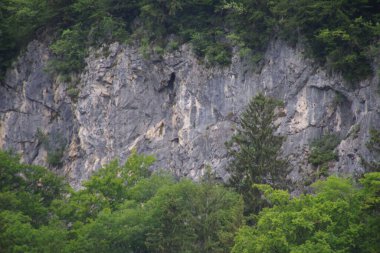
(179, 110)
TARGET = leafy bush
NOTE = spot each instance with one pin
(55, 146)
(187, 217)
(54, 157)
(373, 146)
(71, 52)
(73, 92)
(322, 150)
(218, 54)
(340, 217)
(374, 141)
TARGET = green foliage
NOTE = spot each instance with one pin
(336, 219)
(70, 49)
(55, 146)
(26, 193)
(187, 217)
(119, 231)
(92, 27)
(205, 45)
(252, 24)
(142, 211)
(16, 177)
(172, 45)
(73, 93)
(139, 212)
(373, 146)
(374, 141)
(120, 209)
(340, 34)
(322, 152)
(19, 19)
(54, 158)
(113, 181)
(18, 235)
(255, 150)
(339, 99)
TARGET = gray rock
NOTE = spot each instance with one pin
(179, 110)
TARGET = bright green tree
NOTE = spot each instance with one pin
(28, 189)
(26, 220)
(340, 217)
(114, 181)
(255, 151)
(123, 229)
(190, 217)
(107, 188)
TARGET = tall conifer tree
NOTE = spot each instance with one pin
(255, 151)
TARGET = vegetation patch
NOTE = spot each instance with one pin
(373, 146)
(73, 92)
(322, 152)
(122, 208)
(127, 208)
(341, 35)
(54, 145)
(314, 222)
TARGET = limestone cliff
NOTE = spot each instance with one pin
(177, 109)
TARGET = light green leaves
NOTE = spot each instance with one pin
(337, 218)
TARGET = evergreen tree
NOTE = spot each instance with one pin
(255, 150)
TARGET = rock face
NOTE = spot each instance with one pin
(179, 110)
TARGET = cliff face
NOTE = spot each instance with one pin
(177, 109)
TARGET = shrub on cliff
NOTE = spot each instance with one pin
(342, 35)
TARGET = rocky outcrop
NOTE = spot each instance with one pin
(174, 107)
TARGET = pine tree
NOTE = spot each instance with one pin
(254, 151)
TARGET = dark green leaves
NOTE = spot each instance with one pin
(342, 35)
(322, 150)
(19, 19)
(255, 151)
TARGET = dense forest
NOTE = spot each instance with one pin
(126, 208)
(342, 35)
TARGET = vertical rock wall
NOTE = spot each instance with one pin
(179, 110)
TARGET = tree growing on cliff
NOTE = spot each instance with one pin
(373, 146)
(254, 151)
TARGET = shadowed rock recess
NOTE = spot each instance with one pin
(177, 109)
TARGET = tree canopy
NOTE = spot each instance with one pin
(342, 216)
(342, 35)
(143, 211)
(121, 209)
